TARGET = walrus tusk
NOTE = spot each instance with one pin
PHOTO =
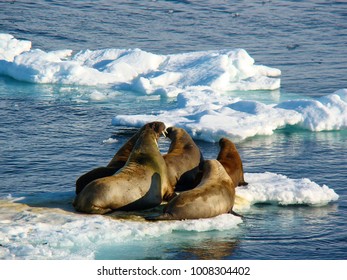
(164, 132)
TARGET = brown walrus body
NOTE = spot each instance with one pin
(229, 157)
(183, 159)
(118, 160)
(141, 184)
(214, 195)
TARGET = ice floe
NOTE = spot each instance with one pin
(135, 69)
(207, 115)
(29, 232)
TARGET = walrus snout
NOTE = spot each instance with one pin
(172, 131)
(158, 127)
(168, 131)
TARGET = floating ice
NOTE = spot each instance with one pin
(48, 233)
(208, 115)
(52, 233)
(326, 113)
(11, 47)
(199, 80)
(110, 140)
(135, 69)
(219, 70)
(279, 189)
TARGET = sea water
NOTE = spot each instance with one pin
(78, 78)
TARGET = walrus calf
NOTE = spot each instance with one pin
(119, 159)
(141, 184)
(214, 195)
(229, 157)
(183, 159)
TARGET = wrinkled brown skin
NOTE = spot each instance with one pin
(118, 160)
(230, 159)
(214, 195)
(182, 159)
(141, 184)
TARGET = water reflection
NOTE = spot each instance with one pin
(209, 249)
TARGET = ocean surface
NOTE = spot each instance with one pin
(78, 78)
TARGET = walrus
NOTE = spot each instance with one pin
(214, 195)
(141, 184)
(119, 159)
(183, 159)
(229, 157)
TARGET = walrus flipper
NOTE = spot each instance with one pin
(91, 209)
(235, 214)
(163, 217)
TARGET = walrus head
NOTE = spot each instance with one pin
(180, 139)
(144, 143)
(231, 160)
(224, 142)
(227, 150)
(168, 131)
(158, 127)
(172, 132)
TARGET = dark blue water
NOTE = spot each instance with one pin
(50, 134)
